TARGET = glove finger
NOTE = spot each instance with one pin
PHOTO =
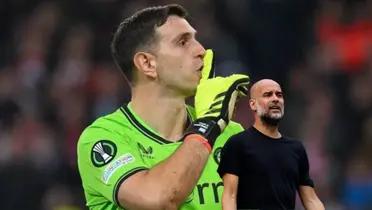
(243, 89)
(231, 95)
(213, 96)
(240, 83)
(208, 65)
(231, 106)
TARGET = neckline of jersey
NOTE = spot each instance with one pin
(145, 129)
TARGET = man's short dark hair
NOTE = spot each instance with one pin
(137, 32)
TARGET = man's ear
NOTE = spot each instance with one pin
(252, 104)
(145, 62)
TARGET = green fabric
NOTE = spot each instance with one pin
(120, 144)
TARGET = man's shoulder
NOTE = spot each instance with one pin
(115, 124)
(244, 138)
(293, 140)
(295, 143)
(243, 134)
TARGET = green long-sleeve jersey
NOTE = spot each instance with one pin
(118, 145)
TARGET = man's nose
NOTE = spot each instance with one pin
(275, 99)
(200, 50)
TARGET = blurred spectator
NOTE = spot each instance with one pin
(346, 26)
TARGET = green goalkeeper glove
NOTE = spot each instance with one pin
(215, 100)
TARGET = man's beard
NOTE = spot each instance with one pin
(272, 120)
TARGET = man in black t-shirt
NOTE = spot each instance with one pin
(260, 168)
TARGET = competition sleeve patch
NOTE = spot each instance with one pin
(103, 152)
(217, 155)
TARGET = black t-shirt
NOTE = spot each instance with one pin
(269, 170)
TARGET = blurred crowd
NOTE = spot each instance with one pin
(57, 76)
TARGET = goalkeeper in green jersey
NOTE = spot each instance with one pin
(156, 152)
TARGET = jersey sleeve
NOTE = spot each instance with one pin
(105, 160)
(230, 161)
(304, 168)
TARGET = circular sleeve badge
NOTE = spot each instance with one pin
(103, 152)
(217, 155)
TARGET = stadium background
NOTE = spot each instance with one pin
(57, 75)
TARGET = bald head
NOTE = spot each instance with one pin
(260, 86)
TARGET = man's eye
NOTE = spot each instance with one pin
(183, 42)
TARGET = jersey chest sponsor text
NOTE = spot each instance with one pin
(210, 190)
